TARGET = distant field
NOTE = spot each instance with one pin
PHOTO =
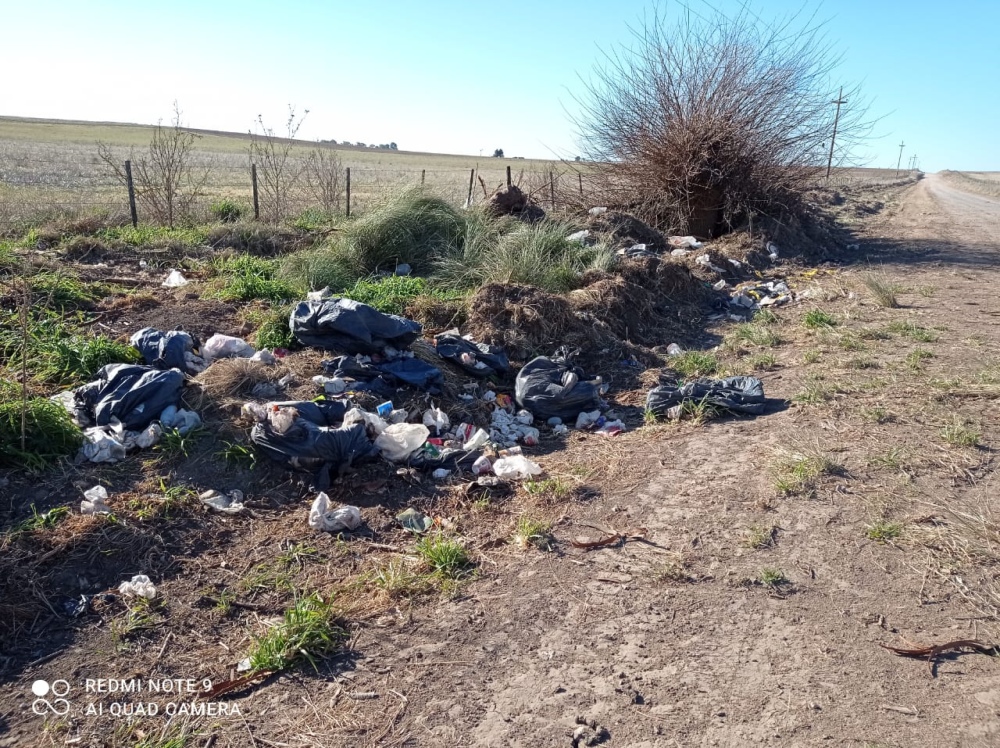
(50, 168)
(982, 182)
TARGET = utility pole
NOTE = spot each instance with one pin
(840, 100)
(900, 159)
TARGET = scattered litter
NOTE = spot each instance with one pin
(226, 346)
(578, 237)
(138, 586)
(243, 665)
(516, 467)
(384, 409)
(400, 440)
(174, 279)
(264, 356)
(403, 269)
(718, 286)
(94, 501)
(674, 350)
(934, 651)
(735, 394)
(142, 439)
(330, 385)
(482, 466)
(478, 439)
(478, 359)
(684, 242)
(597, 211)
(440, 474)
(587, 419)
(321, 295)
(560, 429)
(101, 446)
(735, 263)
(554, 387)
(772, 251)
(679, 252)
(133, 394)
(350, 327)
(611, 428)
(386, 377)
(169, 350)
(414, 521)
(322, 517)
(182, 420)
(706, 261)
(231, 503)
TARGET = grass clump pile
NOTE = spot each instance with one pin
(49, 432)
(307, 632)
(692, 364)
(446, 557)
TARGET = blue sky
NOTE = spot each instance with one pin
(463, 77)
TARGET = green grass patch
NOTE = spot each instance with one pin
(883, 531)
(959, 434)
(532, 533)
(61, 290)
(247, 277)
(752, 334)
(39, 521)
(693, 364)
(272, 330)
(307, 632)
(913, 331)
(446, 557)
(758, 537)
(772, 578)
(797, 473)
(916, 358)
(816, 319)
(49, 432)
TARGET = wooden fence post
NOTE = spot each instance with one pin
(508, 176)
(423, 173)
(468, 200)
(580, 177)
(348, 191)
(256, 201)
(552, 190)
(131, 193)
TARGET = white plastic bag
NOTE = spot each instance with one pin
(174, 279)
(100, 446)
(182, 420)
(321, 517)
(371, 420)
(94, 501)
(138, 586)
(226, 346)
(440, 474)
(587, 419)
(517, 467)
(436, 418)
(264, 356)
(400, 440)
(479, 439)
(231, 503)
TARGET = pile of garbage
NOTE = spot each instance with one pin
(512, 201)
(740, 395)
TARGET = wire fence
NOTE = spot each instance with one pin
(44, 183)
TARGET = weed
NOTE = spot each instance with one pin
(224, 600)
(227, 210)
(172, 499)
(39, 521)
(49, 433)
(446, 557)
(959, 434)
(79, 358)
(765, 317)
(797, 473)
(761, 362)
(533, 533)
(649, 418)
(912, 330)
(297, 554)
(273, 330)
(556, 487)
(307, 632)
(862, 362)
(851, 342)
(816, 319)
(871, 333)
(757, 537)
(397, 580)
(673, 569)
(811, 356)
(754, 334)
(238, 455)
(875, 414)
(393, 294)
(814, 392)
(142, 615)
(248, 277)
(174, 444)
(772, 578)
(916, 357)
(60, 290)
(698, 411)
(691, 364)
(883, 531)
(882, 289)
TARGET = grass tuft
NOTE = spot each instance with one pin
(306, 633)
(817, 319)
(882, 289)
(446, 557)
(883, 531)
(693, 364)
(532, 533)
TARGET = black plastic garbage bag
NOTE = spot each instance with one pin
(164, 350)
(386, 377)
(451, 347)
(460, 460)
(312, 447)
(735, 394)
(349, 326)
(135, 395)
(552, 387)
(322, 412)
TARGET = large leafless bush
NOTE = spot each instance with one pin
(705, 121)
(278, 170)
(167, 183)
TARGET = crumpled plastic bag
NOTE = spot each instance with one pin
(133, 394)
(138, 586)
(436, 419)
(226, 346)
(550, 387)
(175, 349)
(350, 327)
(414, 521)
(174, 279)
(517, 467)
(182, 420)
(478, 359)
(322, 517)
(231, 503)
(400, 440)
(265, 356)
(101, 446)
(735, 394)
(94, 501)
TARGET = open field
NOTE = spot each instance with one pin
(50, 169)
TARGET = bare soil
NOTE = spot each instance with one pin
(668, 639)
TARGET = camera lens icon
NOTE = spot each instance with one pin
(57, 706)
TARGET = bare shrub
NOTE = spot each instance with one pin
(167, 186)
(278, 172)
(324, 179)
(706, 121)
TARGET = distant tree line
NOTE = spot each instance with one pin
(359, 144)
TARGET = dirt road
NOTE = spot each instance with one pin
(612, 636)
